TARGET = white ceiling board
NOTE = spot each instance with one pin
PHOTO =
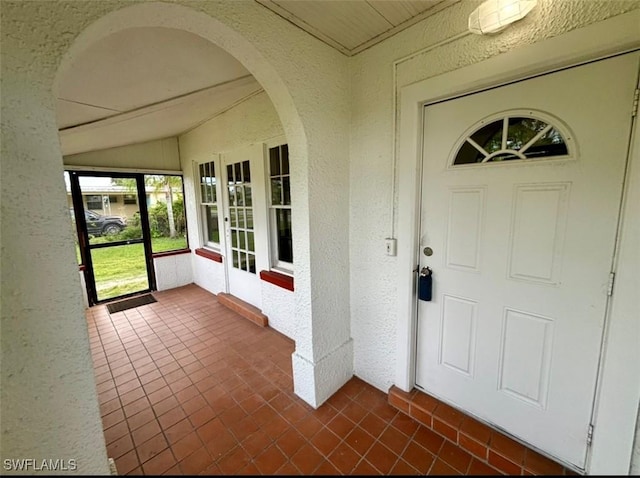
(397, 12)
(416, 7)
(71, 113)
(142, 84)
(141, 66)
(348, 22)
(352, 26)
(158, 121)
(394, 12)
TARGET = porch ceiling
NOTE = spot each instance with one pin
(351, 26)
(143, 84)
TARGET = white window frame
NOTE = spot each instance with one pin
(276, 264)
(203, 218)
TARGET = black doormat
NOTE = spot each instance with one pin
(131, 303)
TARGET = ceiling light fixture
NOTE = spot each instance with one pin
(493, 16)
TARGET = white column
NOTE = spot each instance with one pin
(48, 394)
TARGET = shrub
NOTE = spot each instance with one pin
(159, 219)
(129, 232)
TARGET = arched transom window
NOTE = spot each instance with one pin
(516, 136)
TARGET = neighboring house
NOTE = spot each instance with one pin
(498, 162)
(115, 200)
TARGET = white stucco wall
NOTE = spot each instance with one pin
(208, 274)
(173, 271)
(49, 403)
(279, 306)
(161, 154)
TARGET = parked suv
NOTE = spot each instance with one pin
(99, 225)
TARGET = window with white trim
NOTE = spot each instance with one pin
(280, 208)
(209, 207)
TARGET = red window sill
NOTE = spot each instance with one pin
(281, 280)
(155, 255)
(214, 256)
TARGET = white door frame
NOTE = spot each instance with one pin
(616, 407)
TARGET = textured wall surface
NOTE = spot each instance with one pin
(173, 271)
(317, 381)
(48, 394)
(279, 306)
(447, 46)
(208, 274)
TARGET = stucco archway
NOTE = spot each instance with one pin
(158, 14)
(48, 390)
(258, 56)
(211, 29)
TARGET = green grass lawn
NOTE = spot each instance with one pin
(121, 270)
(162, 244)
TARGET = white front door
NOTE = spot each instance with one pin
(245, 222)
(521, 246)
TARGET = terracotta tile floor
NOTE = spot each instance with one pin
(187, 386)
